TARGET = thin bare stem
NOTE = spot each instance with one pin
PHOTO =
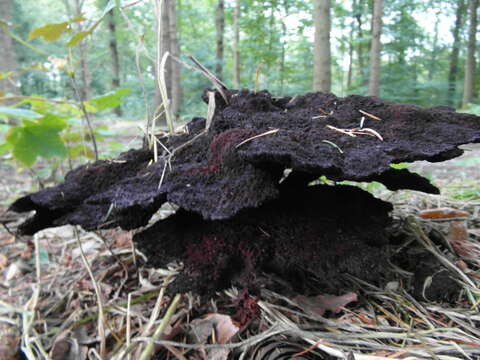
(161, 328)
(101, 313)
(85, 114)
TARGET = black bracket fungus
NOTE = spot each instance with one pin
(238, 213)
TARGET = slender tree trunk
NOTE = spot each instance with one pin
(112, 27)
(162, 29)
(350, 58)
(469, 83)
(282, 55)
(85, 75)
(453, 71)
(358, 12)
(322, 72)
(433, 59)
(7, 55)
(286, 8)
(86, 90)
(167, 41)
(374, 82)
(220, 33)
(236, 45)
(177, 92)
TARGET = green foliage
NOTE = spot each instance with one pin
(20, 113)
(40, 127)
(471, 194)
(107, 101)
(5, 75)
(399, 166)
(39, 137)
(53, 32)
(51, 130)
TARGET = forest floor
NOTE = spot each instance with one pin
(50, 303)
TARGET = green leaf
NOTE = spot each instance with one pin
(75, 39)
(37, 138)
(109, 100)
(400, 166)
(54, 122)
(72, 137)
(21, 113)
(4, 148)
(80, 150)
(89, 107)
(52, 32)
(5, 75)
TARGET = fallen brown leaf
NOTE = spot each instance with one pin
(458, 238)
(9, 341)
(322, 303)
(221, 326)
(442, 213)
(6, 239)
(3, 261)
(122, 239)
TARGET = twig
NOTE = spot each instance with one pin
(334, 145)
(85, 114)
(257, 136)
(210, 110)
(28, 315)
(129, 331)
(215, 81)
(101, 313)
(161, 328)
(370, 115)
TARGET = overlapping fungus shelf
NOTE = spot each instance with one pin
(243, 187)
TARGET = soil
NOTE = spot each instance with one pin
(239, 215)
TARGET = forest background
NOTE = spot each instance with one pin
(97, 59)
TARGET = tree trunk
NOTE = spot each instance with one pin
(433, 59)
(350, 58)
(374, 83)
(358, 12)
(469, 83)
(7, 56)
(220, 31)
(162, 29)
(282, 55)
(85, 76)
(112, 27)
(453, 71)
(177, 93)
(236, 45)
(322, 73)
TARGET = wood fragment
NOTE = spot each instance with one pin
(343, 131)
(370, 115)
(256, 136)
(444, 213)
